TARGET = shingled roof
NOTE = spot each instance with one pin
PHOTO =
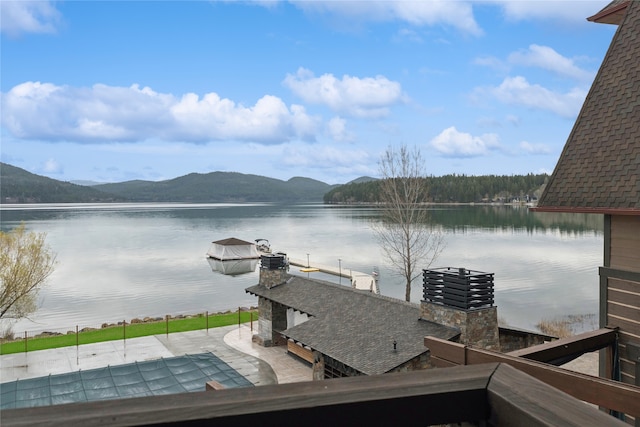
(599, 168)
(355, 327)
(611, 13)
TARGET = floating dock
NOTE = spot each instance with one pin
(359, 280)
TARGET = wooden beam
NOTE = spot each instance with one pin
(447, 350)
(435, 396)
(517, 399)
(599, 391)
(616, 273)
(565, 349)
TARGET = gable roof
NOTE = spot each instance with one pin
(599, 168)
(355, 327)
(231, 241)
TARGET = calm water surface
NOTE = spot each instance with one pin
(118, 262)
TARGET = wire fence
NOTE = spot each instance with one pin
(78, 335)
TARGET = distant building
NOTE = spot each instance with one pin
(344, 332)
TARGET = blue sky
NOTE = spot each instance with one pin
(120, 90)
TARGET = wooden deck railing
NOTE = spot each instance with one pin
(491, 394)
(614, 395)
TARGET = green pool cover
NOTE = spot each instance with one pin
(182, 374)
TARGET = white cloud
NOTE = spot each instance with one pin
(51, 166)
(573, 11)
(452, 143)
(530, 148)
(491, 62)
(337, 130)
(327, 157)
(368, 97)
(547, 58)
(456, 14)
(518, 91)
(513, 119)
(405, 34)
(21, 17)
(104, 113)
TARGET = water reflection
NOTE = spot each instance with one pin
(118, 263)
(233, 267)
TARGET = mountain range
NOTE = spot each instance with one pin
(20, 186)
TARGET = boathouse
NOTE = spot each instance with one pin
(232, 249)
(599, 173)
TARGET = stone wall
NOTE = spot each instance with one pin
(418, 363)
(516, 339)
(271, 278)
(478, 327)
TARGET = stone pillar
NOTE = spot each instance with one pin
(264, 336)
(318, 366)
(272, 321)
(278, 323)
(478, 327)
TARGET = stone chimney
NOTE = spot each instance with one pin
(273, 316)
(273, 270)
(462, 299)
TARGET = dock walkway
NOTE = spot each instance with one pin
(359, 280)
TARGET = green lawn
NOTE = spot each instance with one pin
(127, 331)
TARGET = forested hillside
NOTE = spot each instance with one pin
(220, 187)
(19, 186)
(452, 189)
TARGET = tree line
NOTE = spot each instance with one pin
(452, 189)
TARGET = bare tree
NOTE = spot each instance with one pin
(26, 261)
(404, 231)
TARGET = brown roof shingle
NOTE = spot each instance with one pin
(611, 13)
(599, 168)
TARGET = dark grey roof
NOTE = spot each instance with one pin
(599, 168)
(355, 327)
(181, 374)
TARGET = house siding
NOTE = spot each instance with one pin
(625, 243)
(621, 275)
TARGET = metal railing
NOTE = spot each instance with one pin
(458, 288)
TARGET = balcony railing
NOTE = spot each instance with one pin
(490, 394)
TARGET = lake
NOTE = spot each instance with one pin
(121, 261)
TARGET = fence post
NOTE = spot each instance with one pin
(25, 341)
(251, 314)
(124, 330)
(238, 317)
(206, 316)
(167, 322)
(77, 347)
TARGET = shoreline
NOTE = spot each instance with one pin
(52, 332)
